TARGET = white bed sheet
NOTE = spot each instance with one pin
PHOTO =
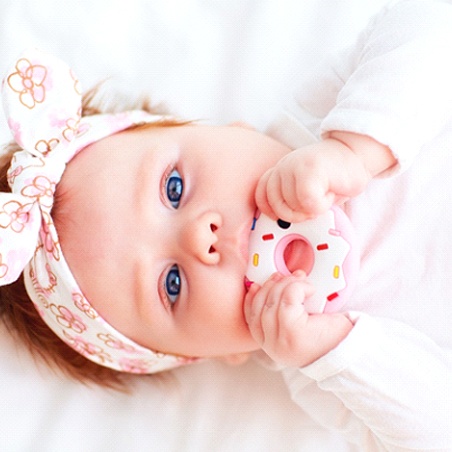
(214, 60)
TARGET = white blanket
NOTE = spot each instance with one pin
(218, 61)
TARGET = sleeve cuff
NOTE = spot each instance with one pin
(353, 348)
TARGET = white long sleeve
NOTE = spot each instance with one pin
(386, 387)
(394, 85)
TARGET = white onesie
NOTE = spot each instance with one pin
(388, 385)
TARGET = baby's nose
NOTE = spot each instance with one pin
(200, 237)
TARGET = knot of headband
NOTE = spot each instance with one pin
(42, 103)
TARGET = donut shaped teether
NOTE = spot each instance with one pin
(324, 248)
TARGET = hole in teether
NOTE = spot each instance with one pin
(297, 254)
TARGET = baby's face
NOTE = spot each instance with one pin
(155, 225)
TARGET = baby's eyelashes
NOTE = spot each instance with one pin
(174, 187)
(173, 285)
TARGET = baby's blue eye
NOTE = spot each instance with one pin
(173, 284)
(174, 188)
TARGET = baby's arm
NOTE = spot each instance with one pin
(306, 182)
(386, 387)
(394, 86)
(353, 373)
(284, 330)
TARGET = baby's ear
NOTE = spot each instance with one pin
(234, 359)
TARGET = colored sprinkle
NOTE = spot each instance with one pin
(255, 259)
(332, 296)
(335, 232)
(254, 223)
(322, 246)
(266, 237)
(336, 271)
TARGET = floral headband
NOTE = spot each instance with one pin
(42, 103)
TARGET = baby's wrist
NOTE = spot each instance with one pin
(333, 328)
(376, 157)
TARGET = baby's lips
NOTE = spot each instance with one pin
(248, 284)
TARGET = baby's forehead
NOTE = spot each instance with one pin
(131, 143)
(116, 152)
(105, 178)
(94, 209)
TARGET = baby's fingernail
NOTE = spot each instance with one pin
(276, 277)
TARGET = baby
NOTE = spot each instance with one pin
(134, 254)
(183, 294)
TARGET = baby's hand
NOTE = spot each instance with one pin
(279, 323)
(306, 182)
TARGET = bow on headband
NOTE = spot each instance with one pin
(42, 102)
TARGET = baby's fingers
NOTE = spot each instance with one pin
(290, 307)
(271, 201)
(288, 299)
(258, 299)
(292, 199)
(261, 195)
(263, 306)
(250, 311)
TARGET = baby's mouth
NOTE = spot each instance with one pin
(248, 284)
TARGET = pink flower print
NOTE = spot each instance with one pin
(82, 304)
(77, 85)
(135, 366)
(82, 129)
(13, 173)
(112, 342)
(28, 82)
(52, 278)
(45, 147)
(16, 130)
(67, 319)
(3, 267)
(14, 215)
(87, 349)
(43, 292)
(70, 131)
(41, 189)
(34, 280)
(51, 246)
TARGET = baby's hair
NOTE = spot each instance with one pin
(16, 309)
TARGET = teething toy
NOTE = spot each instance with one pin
(323, 247)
